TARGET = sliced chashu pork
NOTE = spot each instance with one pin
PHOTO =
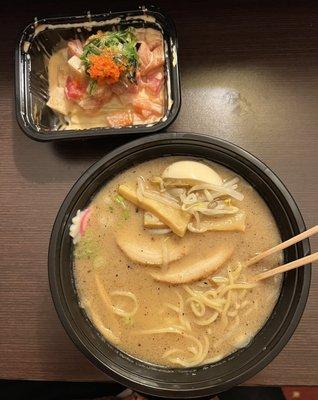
(147, 252)
(186, 272)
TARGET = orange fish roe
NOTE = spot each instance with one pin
(104, 69)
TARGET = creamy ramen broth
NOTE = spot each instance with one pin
(177, 325)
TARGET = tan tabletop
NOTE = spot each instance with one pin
(249, 75)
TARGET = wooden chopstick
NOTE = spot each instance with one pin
(286, 267)
(282, 246)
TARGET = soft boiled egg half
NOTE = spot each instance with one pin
(184, 173)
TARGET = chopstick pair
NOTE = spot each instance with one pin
(285, 267)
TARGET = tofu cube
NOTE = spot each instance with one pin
(57, 101)
(76, 64)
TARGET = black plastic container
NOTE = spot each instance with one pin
(189, 382)
(41, 123)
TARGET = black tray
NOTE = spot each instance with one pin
(41, 123)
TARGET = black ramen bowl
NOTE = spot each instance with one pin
(189, 382)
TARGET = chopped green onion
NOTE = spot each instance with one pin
(122, 43)
(91, 87)
(120, 200)
(128, 321)
(99, 262)
(126, 214)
